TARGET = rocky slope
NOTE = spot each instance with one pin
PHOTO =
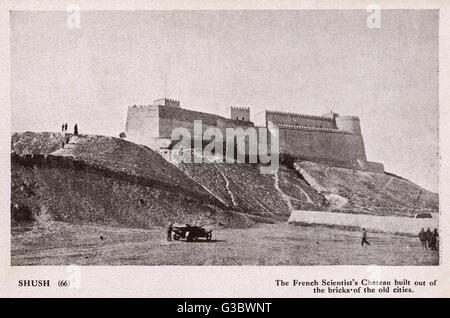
(365, 192)
(106, 180)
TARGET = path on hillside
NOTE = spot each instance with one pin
(68, 148)
(227, 186)
(285, 197)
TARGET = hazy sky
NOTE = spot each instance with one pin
(299, 61)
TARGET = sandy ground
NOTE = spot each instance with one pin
(267, 244)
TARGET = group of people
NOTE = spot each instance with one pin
(66, 135)
(64, 128)
(429, 239)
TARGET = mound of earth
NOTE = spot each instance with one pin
(366, 192)
(105, 180)
(110, 181)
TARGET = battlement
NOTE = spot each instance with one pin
(329, 137)
(328, 130)
(168, 102)
(240, 108)
(277, 112)
(240, 113)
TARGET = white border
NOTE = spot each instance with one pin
(212, 281)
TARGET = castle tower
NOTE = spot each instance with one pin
(240, 113)
(348, 123)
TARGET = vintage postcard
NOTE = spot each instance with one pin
(238, 149)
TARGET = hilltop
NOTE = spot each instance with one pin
(111, 181)
(103, 180)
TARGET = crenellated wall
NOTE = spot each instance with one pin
(331, 139)
(240, 113)
(285, 118)
(171, 118)
(331, 146)
(167, 102)
(150, 124)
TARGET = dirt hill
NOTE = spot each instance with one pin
(365, 192)
(105, 180)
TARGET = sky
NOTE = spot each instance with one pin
(309, 62)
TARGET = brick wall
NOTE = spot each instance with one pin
(323, 146)
(300, 120)
(240, 113)
(171, 118)
(300, 135)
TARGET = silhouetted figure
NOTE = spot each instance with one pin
(423, 239)
(75, 129)
(428, 234)
(62, 127)
(169, 232)
(65, 127)
(433, 240)
(364, 238)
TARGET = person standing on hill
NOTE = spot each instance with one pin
(62, 127)
(428, 235)
(75, 129)
(423, 239)
(433, 240)
(364, 238)
(169, 232)
(65, 127)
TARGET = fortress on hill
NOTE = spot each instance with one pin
(330, 139)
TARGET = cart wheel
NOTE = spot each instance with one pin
(209, 236)
(176, 237)
(189, 237)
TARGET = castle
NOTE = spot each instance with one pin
(330, 139)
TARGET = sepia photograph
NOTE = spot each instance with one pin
(224, 137)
